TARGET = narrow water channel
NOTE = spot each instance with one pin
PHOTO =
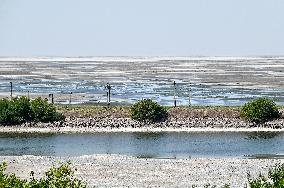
(148, 145)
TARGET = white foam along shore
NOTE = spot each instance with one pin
(125, 171)
(70, 130)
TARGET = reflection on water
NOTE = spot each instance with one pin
(146, 145)
(148, 135)
(25, 135)
(262, 135)
(159, 157)
(145, 156)
(265, 156)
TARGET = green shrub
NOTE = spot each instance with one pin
(147, 110)
(23, 108)
(15, 111)
(20, 110)
(5, 116)
(275, 178)
(62, 177)
(260, 110)
(44, 112)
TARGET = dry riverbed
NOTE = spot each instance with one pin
(124, 171)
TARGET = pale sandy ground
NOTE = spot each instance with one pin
(124, 171)
(17, 129)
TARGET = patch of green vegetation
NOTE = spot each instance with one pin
(275, 178)
(147, 110)
(260, 110)
(62, 177)
(21, 109)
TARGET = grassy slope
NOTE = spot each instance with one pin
(123, 111)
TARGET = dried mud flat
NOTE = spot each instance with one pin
(222, 81)
(214, 81)
(123, 171)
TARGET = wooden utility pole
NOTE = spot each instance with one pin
(175, 101)
(108, 93)
(70, 98)
(29, 91)
(189, 95)
(52, 99)
(11, 84)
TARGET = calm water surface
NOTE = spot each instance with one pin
(152, 145)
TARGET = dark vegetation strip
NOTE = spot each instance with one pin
(61, 177)
(22, 109)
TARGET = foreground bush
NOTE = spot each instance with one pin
(20, 110)
(61, 177)
(275, 179)
(147, 110)
(260, 110)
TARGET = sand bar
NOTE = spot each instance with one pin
(124, 171)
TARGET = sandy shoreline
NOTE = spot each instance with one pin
(70, 130)
(125, 171)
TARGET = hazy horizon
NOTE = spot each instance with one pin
(34, 28)
(201, 57)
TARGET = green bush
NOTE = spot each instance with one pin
(20, 110)
(44, 112)
(23, 108)
(148, 111)
(5, 116)
(275, 178)
(62, 177)
(260, 110)
(15, 111)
